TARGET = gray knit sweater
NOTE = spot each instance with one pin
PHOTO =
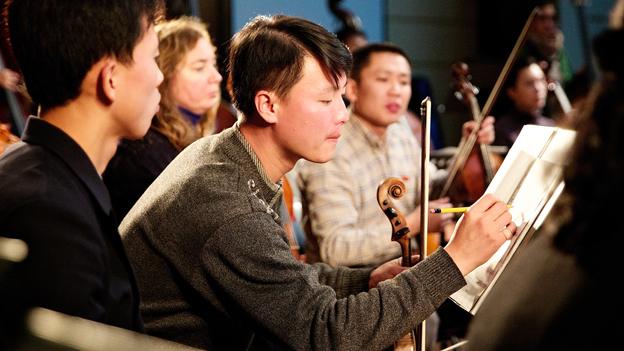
(215, 271)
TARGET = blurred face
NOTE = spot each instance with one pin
(311, 116)
(384, 89)
(195, 84)
(138, 88)
(529, 92)
(545, 23)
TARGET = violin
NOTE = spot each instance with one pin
(481, 164)
(394, 188)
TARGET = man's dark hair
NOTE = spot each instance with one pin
(361, 56)
(56, 42)
(268, 53)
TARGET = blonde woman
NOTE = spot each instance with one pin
(190, 95)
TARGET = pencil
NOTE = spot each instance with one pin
(452, 209)
(449, 210)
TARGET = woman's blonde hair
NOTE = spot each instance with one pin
(176, 38)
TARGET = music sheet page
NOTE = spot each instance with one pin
(530, 180)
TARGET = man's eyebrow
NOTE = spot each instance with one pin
(387, 71)
(331, 88)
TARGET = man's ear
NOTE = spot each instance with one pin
(108, 83)
(267, 105)
(351, 90)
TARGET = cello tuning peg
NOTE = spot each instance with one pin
(459, 96)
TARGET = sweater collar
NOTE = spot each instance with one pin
(274, 188)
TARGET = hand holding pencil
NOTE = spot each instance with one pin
(480, 232)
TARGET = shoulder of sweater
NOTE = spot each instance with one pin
(203, 181)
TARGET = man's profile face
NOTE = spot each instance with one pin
(384, 89)
(311, 115)
(138, 95)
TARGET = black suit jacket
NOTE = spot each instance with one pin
(52, 197)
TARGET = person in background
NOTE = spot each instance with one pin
(525, 90)
(213, 263)
(91, 66)
(345, 226)
(560, 293)
(545, 43)
(190, 95)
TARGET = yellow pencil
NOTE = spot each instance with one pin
(452, 209)
(449, 210)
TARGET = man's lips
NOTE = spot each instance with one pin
(393, 107)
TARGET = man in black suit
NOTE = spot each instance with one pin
(91, 67)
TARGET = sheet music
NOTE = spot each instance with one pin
(531, 180)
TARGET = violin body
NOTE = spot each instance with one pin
(472, 180)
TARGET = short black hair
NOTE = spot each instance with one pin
(268, 53)
(56, 42)
(521, 63)
(361, 56)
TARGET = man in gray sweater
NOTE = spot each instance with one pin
(212, 261)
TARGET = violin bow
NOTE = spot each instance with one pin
(394, 188)
(425, 115)
(462, 154)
